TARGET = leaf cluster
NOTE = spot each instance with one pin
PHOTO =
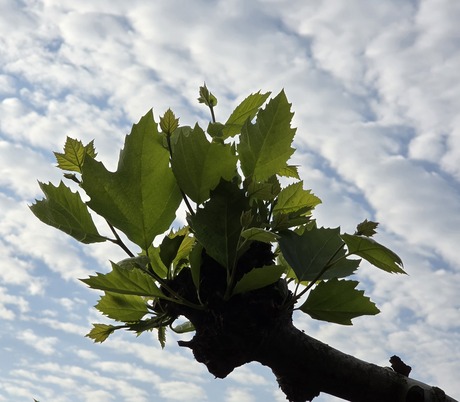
(244, 192)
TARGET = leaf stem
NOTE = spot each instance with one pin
(118, 240)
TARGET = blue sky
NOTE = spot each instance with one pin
(376, 95)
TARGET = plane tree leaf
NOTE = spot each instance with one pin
(74, 155)
(259, 234)
(338, 301)
(374, 252)
(142, 196)
(121, 307)
(258, 278)
(199, 165)
(265, 146)
(294, 198)
(125, 281)
(315, 251)
(100, 332)
(65, 210)
(217, 225)
(246, 110)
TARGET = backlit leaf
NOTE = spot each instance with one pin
(259, 234)
(366, 228)
(125, 281)
(265, 146)
(65, 211)
(74, 155)
(101, 332)
(120, 307)
(375, 253)
(294, 198)
(338, 301)
(142, 196)
(246, 110)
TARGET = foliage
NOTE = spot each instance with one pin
(247, 199)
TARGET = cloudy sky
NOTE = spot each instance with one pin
(376, 91)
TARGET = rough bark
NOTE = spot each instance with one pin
(257, 326)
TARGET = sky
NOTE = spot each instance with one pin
(376, 93)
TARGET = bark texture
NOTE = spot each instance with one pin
(257, 326)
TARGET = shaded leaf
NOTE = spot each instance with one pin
(121, 307)
(65, 211)
(265, 146)
(125, 281)
(217, 225)
(338, 301)
(311, 252)
(375, 253)
(142, 196)
(366, 228)
(259, 234)
(258, 278)
(74, 155)
(199, 165)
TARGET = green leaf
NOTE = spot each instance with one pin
(101, 332)
(289, 171)
(65, 211)
(140, 261)
(258, 278)
(169, 248)
(366, 228)
(311, 252)
(195, 264)
(338, 301)
(142, 196)
(375, 253)
(207, 97)
(74, 155)
(246, 110)
(125, 281)
(162, 336)
(121, 307)
(168, 123)
(217, 225)
(294, 198)
(199, 165)
(265, 146)
(259, 234)
(266, 190)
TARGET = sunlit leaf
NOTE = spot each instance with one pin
(265, 146)
(338, 301)
(65, 211)
(122, 307)
(294, 198)
(375, 253)
(125, 281)
(246, 110)
(168, 122)
(142, 196)
(74, 155)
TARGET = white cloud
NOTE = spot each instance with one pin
(179, 391)
(239, 395)
(44, 345)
